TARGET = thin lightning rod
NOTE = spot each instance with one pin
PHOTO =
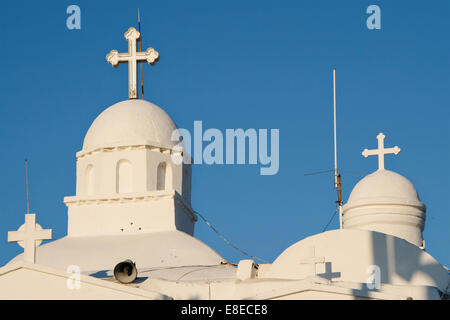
(337, 176)
(140, 50)
(335, 140)
(26, 182)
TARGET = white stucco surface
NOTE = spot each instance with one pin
(130, 122)
(98, 255)
(347, 255)
(384, 186)
(387, 202)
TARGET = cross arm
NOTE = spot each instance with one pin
(395, 150)
(45, 234)
(150, 55)
(14, 236)
(115, 58)
(312, 260)
(368, 152)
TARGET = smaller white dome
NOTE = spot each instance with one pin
(130, 122)
(384, 186)
(386, 202)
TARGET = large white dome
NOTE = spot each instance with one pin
(130, 122)
(147, 250)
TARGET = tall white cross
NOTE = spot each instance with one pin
(381, 151)
(29, 236)
(132, 57)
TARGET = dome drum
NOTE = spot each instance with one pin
(403, 222)
(386, 202)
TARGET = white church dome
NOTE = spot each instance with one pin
(148, 250)
(386, 202)
(130, 122)
(384, 186)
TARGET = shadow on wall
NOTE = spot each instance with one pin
(401, 262)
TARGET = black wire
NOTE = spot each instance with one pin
(318, 172)
(228, 242)
(331, 170)
(332, 217)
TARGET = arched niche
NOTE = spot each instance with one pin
(124, 176)
(164, 177)
(89, 179)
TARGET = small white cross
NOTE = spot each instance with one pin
(132, 57)
(381, 151)
(312, 259)
(29, 236)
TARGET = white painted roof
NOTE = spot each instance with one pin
(128, 123)
(98, 255)
(193, 273)
(350, 255)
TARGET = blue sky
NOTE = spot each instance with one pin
(234, 64)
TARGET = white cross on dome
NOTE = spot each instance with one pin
(381, 151)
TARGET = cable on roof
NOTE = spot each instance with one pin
(186, 266)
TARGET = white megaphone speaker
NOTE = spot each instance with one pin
(125, 271)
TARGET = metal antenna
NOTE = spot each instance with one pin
(337, 176)
(26, 181)
(140, 50)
